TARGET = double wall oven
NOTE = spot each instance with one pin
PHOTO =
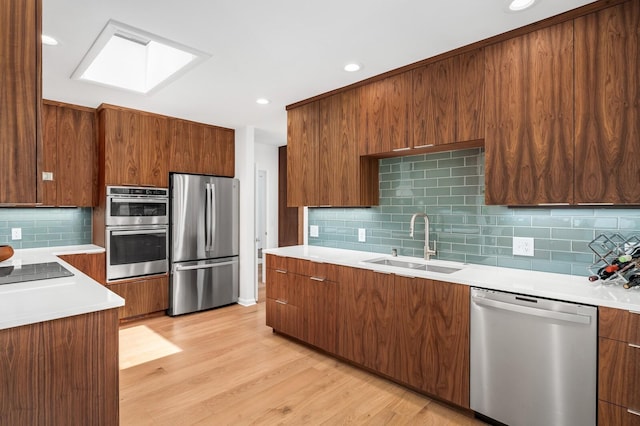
(137, 230)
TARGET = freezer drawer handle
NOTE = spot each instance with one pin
(634, 412)
(209, 265)
(580, 319)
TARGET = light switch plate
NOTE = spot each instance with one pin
(522, 246)
(362, 235)
(314, 231)
(16, 233)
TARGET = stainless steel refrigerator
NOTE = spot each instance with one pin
(204, 242)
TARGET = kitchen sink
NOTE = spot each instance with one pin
(413, 265)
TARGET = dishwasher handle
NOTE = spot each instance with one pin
(562, 316)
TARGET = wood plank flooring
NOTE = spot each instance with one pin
(232, 370)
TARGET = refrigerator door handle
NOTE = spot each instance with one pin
(207, 220)
(212, 217)
(207, 266)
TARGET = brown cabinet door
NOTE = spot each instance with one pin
(91, 264)
(615, 415)
(448, 100)
(20, 77)
(219, 151)
(529, 118)
(320, 309)
(607, 105)
(619, 373)
(384, 120)
(302, 156)
(142, 297)
(432, 328)
(76, 171)
(119, 133)
(366, 318)
(48, 156)
(153, 135)
(201, 149)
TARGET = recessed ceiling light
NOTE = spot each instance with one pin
(263, 101)
(131, 59)
(518, 5)
(48, 40)
(352, 67)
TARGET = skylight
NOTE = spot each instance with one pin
(135, 60)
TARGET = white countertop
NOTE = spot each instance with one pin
(542, 284)
(44, 300)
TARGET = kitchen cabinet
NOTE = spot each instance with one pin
(201, 149)
(69, 153)
(618, 366)
(320, 305)
(529, 118)
(384, 120)
(142, 296)
(91, 264)
(607, 106)
(366, 331)
(302, 155)
(448, 100)
(21, 81)
(432, 329)
(62, 372)
(133, 147)
(284, 297)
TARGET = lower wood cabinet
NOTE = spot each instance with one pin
(414, 331)
(61, 372)
(142, 297)
(91, 264)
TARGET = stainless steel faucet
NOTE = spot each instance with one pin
(427, 251)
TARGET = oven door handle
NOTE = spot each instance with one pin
(140, 200)
(207, 266)
(138, 232)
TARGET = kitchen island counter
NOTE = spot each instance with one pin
(50, 299)
(541, 284)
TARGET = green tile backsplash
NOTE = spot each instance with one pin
(46, 227)
(449, 187)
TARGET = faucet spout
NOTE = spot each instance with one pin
(427, 251)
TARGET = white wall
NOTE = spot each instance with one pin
(266, 157)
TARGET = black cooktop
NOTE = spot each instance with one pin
(32, 272)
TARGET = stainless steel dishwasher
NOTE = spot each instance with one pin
(533, 360)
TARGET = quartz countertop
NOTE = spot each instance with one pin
(533, 283)
(44, 300)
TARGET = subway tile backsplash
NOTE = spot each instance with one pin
(449, 187)
(46, 227)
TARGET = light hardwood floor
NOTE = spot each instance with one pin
(225, 367)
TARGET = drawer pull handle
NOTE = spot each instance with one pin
(281, 271)
(634, 412)
(281, 302)
(631, 345)
(318, 279)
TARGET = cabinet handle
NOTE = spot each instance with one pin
(595, 204)
(631, 345)
(552, 204)
(634, 412)
(423, 146)
(281, 302)
(281, 271)
(317, 279)
(401, 149)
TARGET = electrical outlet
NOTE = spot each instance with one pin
(16, 233)
(362, 235)
(522, 246)
(314, 231)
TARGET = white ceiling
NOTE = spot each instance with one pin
(284, 50)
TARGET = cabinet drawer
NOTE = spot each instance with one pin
(618, 324)
(321, 271)
(284, 318)
(288, 264)
(610, 415)
(619, 373)
(284, 286)
(142, 297)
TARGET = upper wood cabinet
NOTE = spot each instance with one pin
(448, 100)
(384, 115)
(20, 88)
(529, 118)
(201, 149)
(69, 153)
(302, 155)
(133, 147)
(607, 106)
